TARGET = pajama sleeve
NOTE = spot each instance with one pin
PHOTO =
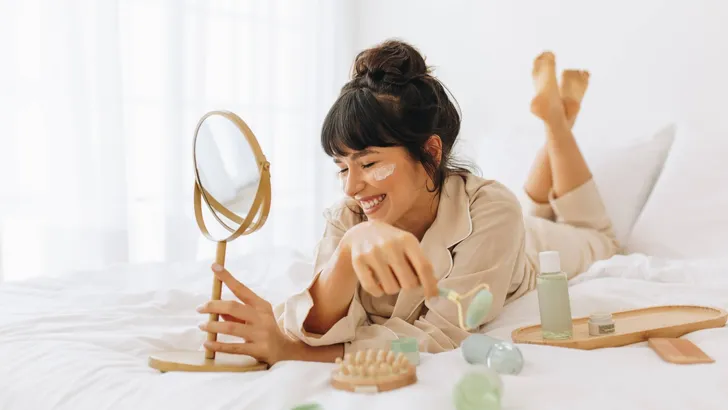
(292, 313)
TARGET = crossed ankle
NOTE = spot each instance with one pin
(558, 127)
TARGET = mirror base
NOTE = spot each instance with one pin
(195, 361)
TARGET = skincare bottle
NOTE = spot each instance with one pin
(553, 298)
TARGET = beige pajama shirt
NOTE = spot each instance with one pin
(480, 235)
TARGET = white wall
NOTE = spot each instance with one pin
(652, 61)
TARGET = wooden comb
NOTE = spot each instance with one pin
(373, 371)
(678, 351)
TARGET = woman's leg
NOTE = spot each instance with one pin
(583, 232)
(561, 153)
(573, 87)
(539, 182)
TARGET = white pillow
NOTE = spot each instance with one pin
(687, 214)
(625, 171)
(626, 176)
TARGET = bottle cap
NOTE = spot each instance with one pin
(600, 317)
(549, 261)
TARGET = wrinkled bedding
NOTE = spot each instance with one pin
(82, 342)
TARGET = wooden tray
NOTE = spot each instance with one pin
(632, 326)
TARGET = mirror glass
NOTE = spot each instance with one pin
(226, 165)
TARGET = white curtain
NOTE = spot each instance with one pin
(99, 101)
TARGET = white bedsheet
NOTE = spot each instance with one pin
(82, 342)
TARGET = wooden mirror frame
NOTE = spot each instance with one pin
(194, 361)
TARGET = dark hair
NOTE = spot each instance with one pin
(393, 100)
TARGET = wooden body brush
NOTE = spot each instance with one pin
(373, 371)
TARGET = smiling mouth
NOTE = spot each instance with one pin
(372, 204)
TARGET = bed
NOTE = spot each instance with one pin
(82, 341)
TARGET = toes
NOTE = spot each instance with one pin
(546, 56)
(572, 75)
(581, 76)
(544, 59)
(574, 84)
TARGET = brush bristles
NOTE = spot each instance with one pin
(373, 364)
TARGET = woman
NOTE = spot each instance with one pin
(413, 220)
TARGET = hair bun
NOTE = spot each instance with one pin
(393, 62)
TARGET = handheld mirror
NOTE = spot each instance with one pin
(232, 195)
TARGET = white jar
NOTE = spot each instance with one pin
(601, 323)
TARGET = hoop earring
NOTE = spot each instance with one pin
(427, 186)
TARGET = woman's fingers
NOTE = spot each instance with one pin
(241, 291)
(239, 311)
(389, 282)
(229, 318)
(228, 328)
(366, 276)
(250, 349)
(423, 269)
(378, 262)
(403, 271)
(391, 262)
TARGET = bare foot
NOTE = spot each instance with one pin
(573, 87)
(547, 104)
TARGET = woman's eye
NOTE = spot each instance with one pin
(368, 165)
(341, 171)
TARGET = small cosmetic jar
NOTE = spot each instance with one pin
(601, 323)
(409, 347)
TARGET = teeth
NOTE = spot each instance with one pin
(370, 204)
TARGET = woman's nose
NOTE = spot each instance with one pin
(353, 183)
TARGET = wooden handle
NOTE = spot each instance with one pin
(216, 293)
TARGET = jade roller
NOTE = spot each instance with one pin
(479, 305)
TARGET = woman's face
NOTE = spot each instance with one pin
(386, 182)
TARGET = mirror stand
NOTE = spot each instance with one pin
(225, 152)
(216, 293)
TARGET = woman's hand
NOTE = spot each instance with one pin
(252, 320)
(387, 259)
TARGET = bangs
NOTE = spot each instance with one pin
(356, 121)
